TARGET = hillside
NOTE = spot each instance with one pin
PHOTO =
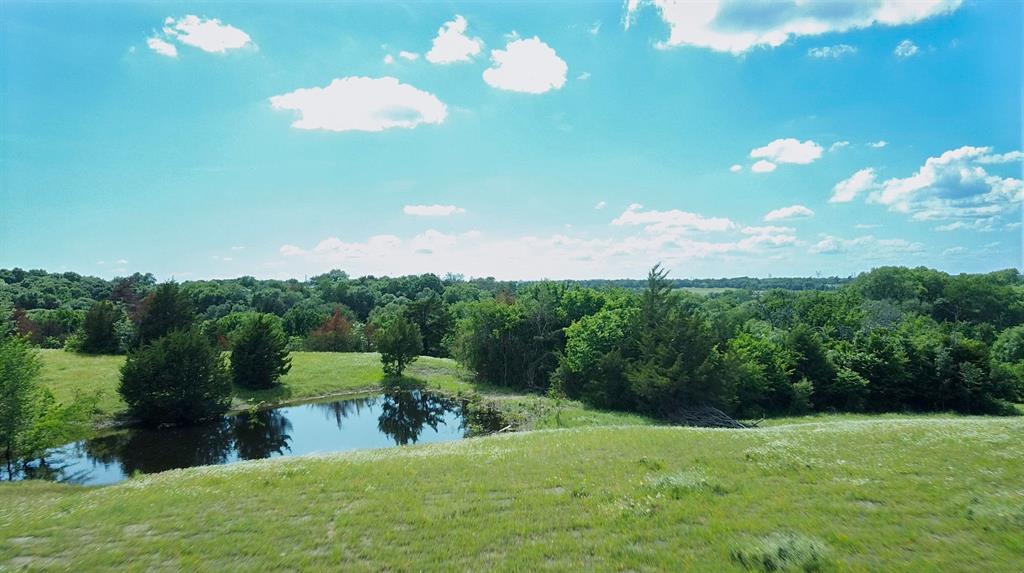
(913, 494)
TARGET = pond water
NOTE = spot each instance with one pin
(387, 420)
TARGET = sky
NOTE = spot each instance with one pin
(513, 140)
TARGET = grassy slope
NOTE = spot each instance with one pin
(920, 494)
(316, 374)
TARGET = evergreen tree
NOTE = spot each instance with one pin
(100, 329)
(165, 309)
(260, 354)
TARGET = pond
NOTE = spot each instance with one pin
(391, 419)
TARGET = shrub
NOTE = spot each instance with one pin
(260, 355)
(399, 342)
(179, 378)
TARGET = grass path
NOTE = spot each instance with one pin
(914, 494)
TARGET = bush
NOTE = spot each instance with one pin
(399, 342)
(99, 330)
(260, 355)
(177, 379)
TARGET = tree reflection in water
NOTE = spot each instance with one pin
(404, 415)
(401, 416)
(345, 408)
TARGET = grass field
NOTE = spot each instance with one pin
(318, 374)
(914, 494)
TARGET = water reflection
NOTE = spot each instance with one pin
(404, 415)
(394, 418)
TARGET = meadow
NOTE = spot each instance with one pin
(839, 494)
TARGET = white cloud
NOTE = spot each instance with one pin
(954, 251)
(362, 104)
(583, 76)
(389, 59)
(791, 212)
(411, 56)
(432, 210)
(600, 205)
(672, 220)
(848, 189)
(453, 45)
(736, 26)
(763, 166)
(996, 158)
(789, 150)
(559, 255)
(952, 186)
(865, 247)
(906, 49)
(237, 248)
(161, 47)
(594, 28)
(834, 52)
(207, 34)
(866, 226)
(528, 66)
(736, 168)
(984, 224)
(838, 145)
(878, 144)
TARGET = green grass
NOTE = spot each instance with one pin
(898, 494)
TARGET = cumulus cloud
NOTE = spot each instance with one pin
(954, 251)
(951, 186)
(600, 205)
(207, 34)
(865, 247)
(453, 45)
(838, 145)
(788, 150)
(161, 47)
(763, 166)
(878, 144)
(737, 26)
(389, 59)
(736, 168)
(362, 104)
(834, 52)
(848, 189)
(791, 212)
(672, 220)
(527, 66)
(411, 56)
(997, 158)
(906, 49)
(432, 210)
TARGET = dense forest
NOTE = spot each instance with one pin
(891, 339)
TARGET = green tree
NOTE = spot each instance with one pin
(179, 378)
(165, 309)
(399, 342)
(99, 329)
(260, 354)
(31, 421)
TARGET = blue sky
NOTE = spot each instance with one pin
(511, 140)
